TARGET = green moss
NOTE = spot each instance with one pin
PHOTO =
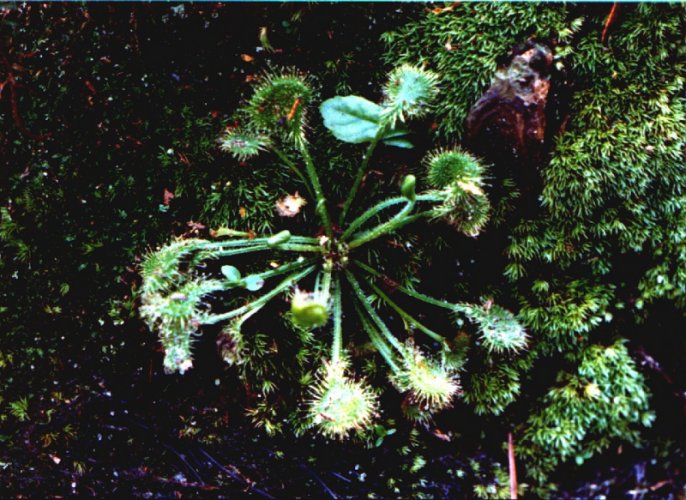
(605, 399)
(492, 390)
(618, 167)
(609, 230)
(465, 44)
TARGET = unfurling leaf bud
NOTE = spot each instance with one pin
(407, 189)
(279, 239)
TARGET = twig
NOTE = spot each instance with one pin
(186, 484)
(236, 475)
(182, 458)
(513, 466)
(341, 477)
(609, 21)
(648, 361)
(660, 484)
(11, 84)
(319, 480)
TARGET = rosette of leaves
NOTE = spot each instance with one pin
(321, 272)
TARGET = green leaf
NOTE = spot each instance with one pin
(355, 119)
(253, 283)
(398, 143)
(351, 118)
(232, 274)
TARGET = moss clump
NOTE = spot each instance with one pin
(465, 45)
(606, 235)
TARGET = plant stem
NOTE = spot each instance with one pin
(403, 314)
(411, 293)
(337, 346)
(290, 280)
(245, 242)
(316, 281)
(254, 241)
(386, 227)
(372, 313)
(411, 218)
(325, 287)
(371, 212)
(284, 158)
(294, 247)
(360, 174)
(321, 200)
(378, 342)
(291, 266)
(303, 239)
(215, 254)
(248, 315)
(287, 247)
(382, 206)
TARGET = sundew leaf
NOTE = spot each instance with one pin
(232, 274)
(398, 143)
(357, 120)
(253, 282)
(351, 118)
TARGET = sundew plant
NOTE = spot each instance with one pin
(333, 287)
